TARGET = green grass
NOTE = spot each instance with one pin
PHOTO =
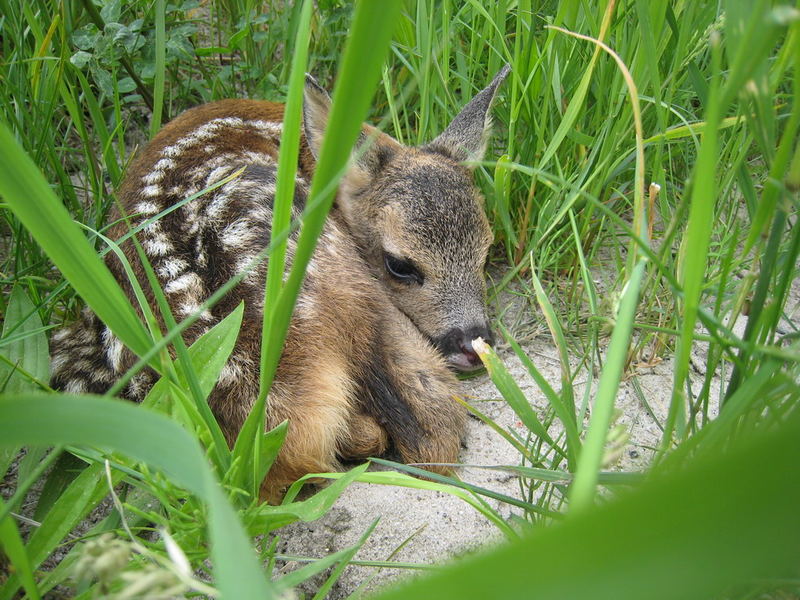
(668, 171)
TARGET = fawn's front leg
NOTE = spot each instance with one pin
(411, 393)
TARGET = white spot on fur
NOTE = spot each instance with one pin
(188, 282)
(217, 174)
(75, 386)
(246, 262)
(238, 234)
(157, 246)
(172, 151)
(147, 208)
(61, 334)
(172, 267)
(164, 164)
(114, 354)
(113, 347)
(230, 373)
(190, 307)
(217, 205)
(153, 177)
(268, 126)
(151, 191)
(58, 361)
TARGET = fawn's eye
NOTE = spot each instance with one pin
(402, 270)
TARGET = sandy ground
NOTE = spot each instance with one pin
(435, 526)
(432, 527)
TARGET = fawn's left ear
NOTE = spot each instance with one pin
(316, 106)
(373, 149)
(465, 138)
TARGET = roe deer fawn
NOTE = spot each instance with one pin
(392, 299)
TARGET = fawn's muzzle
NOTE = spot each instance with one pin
(456, 346)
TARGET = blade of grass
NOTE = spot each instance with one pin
(160, 70)
(583, 488)
(250, 443)
(358, 77)
(455, 483)
(11, 542)
(394, 478)
(512, 393)
(564, 411)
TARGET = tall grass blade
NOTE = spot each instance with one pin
(694, 251)
(357, 79)
(251, 446)
(160, 69)
(512, 393)
(583, 488)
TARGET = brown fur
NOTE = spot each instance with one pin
(365, 365)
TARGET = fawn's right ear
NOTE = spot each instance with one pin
(316, 106)
(465, 138)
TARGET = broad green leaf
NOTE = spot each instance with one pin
(30, 353)
(212, 349)
(208, 355)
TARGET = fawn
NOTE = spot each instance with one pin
(392, 299)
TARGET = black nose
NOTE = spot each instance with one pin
(481, 331)
(458, 340)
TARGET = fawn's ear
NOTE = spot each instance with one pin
(316, 106)
(465, 138)
(373, 149)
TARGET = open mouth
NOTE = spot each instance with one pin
(459, 349)
(466, 359)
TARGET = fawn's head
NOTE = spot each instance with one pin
(419, 221)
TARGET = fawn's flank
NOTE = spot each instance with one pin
(392, 299)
